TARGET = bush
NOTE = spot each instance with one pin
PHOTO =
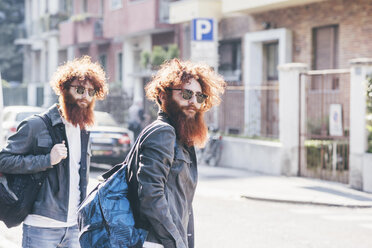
(158, 55)
(322, 150)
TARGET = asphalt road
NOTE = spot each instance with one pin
(225, 220)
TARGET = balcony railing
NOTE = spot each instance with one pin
(45, 23)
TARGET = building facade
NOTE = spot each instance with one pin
(114, 33)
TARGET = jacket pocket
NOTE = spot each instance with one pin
(181, 166)
(44, 145)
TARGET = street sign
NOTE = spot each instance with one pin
(335, 120)
(203, 29)
(204, 45)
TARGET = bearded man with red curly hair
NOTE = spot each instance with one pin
(163, 176)
(53, 219)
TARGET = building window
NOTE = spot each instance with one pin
(84, 51)
(230, 61)
(102, 7)
(119, 67)
(271, 60)
(85, 6)
(325, 56)
(116, 4)
(66, 7)
(325, 47)
(103, 61)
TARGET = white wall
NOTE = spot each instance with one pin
(358, 178)
(253, 155)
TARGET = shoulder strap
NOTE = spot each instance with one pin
(48, 124)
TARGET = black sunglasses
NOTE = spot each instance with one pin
(187, 95)
(81, 90)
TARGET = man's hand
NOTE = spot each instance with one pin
(58, 152)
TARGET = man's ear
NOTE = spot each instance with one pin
(162, 96)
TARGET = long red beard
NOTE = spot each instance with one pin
(74, 114)
(191, 131)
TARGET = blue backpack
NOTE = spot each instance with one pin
(105, 217)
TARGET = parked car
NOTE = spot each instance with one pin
(13, 115)
(110, 143)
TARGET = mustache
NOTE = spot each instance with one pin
(83, 100)
(190, 108)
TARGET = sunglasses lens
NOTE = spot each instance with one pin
(80, 90)
(91, 92)
(200, 98)
(187, 94)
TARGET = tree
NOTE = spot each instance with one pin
(158, 55)
(11, 56)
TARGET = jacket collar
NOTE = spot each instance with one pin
(162, 116)
(54, 115)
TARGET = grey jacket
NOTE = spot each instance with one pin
(167, 178)
(28, 151)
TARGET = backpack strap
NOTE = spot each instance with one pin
(48, 124)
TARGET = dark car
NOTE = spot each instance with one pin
(110, 142)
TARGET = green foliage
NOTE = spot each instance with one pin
(11, 57)
(158, 55)
(317, 126)
(5, 83)
(145, 59)
(320, 152)
(173, 51)
(369, 129)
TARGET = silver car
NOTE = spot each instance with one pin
(13, 115)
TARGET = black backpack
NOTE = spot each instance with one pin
(18, 192)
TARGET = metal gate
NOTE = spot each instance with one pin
(324, 125)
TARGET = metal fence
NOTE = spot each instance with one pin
(325, 121)
(231, 111)
(263, 111)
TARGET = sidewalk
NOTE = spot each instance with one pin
(227, 182)
(297, 190)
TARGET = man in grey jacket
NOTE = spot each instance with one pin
(166, 166)
(53, 220)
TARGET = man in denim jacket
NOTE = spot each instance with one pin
(53, 220)
(166, 166)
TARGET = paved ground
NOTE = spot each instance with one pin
(247, 185)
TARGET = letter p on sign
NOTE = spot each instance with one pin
(203, 29)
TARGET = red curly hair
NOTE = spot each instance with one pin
(175, 73)
(81, 69)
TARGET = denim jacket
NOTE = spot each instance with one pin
(28, 151)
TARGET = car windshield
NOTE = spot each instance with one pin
(23, 115)
(104, 119)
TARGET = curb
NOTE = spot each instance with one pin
(305, 202)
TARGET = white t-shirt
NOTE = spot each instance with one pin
(74, 151)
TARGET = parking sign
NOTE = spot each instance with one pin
(202, 29)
